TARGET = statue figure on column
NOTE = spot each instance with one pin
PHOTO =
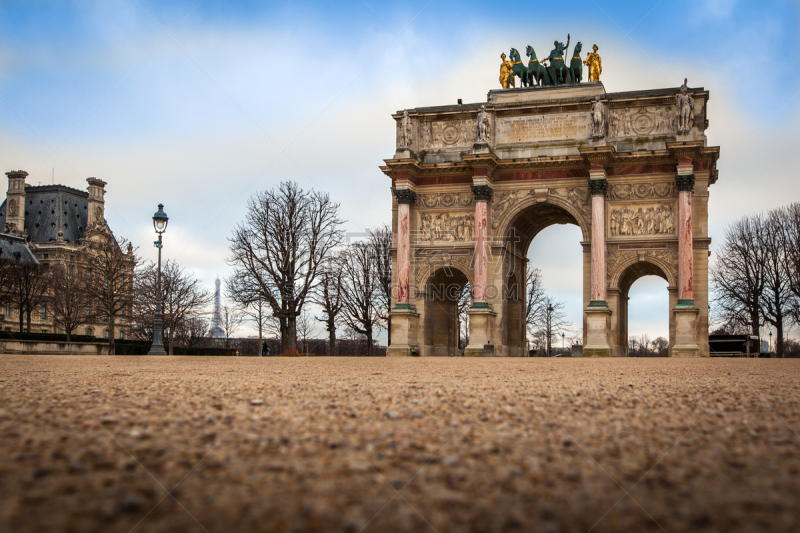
(482, 126)
(506, 75)
(684, 104)
(405, 131)
(599, 115)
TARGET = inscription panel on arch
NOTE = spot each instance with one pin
(556, 127)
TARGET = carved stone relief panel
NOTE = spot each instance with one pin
(446, 227)
(666, 257)
(628, 191)
(461, 199)
(640, 220)
(446, 134)
(642, 121)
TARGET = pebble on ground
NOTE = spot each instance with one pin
(176, 444)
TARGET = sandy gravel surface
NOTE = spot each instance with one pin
(431, 444)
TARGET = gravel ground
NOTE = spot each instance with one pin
(400, 444)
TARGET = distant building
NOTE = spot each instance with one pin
(50, 224)
(216, 321)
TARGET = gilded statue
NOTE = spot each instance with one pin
(506, 77)
(595, 64)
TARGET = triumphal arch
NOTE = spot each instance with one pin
(473, 184)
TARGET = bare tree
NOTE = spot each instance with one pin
(738, 275)
(777, 298)
(70, 305)
(381, 242)
(231, 321)
(280, 247)
(182, 298)
(534, 297)
(192, 332)
(359, 311)
(546, 320)
(107, 274)
(305, 329)
(26, 289)
(661, 346)
(790, 223)
(242, 289)
(463, 305)
(328, 296)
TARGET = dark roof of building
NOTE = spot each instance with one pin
(15, 249)
(49, 208)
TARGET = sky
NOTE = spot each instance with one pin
(199, 104)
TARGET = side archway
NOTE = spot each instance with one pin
(440, 319)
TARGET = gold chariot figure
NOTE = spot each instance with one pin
(595, 64)
(506, 74)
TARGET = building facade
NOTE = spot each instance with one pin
(54, 223)
(474, 184)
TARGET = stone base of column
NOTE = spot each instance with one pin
(481, 320)
(405, 327)
(598, 326)
(685, 331)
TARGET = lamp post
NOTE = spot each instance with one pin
(160, 220)
(562, 341)
(549, 330)
(770, 341)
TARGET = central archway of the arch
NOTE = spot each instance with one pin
(468, 201)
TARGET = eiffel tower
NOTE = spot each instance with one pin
(216, 321)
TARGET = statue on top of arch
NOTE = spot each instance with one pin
(562, 69)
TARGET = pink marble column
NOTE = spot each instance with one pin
(404, 199)
(598, 188)
(482, 195)
(685, 184)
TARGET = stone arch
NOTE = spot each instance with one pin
(580, 213)
(439, 294)
(625, 275)
(431, 266)
(656, 265)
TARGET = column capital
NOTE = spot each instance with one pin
(685, 182)
(405, 196)
(598, 187)
(482, 193)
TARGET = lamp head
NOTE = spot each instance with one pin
(160, 220)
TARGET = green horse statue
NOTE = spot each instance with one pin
(519, 69)
(558, 71)
(538, 74)
(576, 64)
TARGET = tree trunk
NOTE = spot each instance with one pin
(290, 342)
(331, 338)
(21, 322)
(389, 329)
(779, 335)
(111, 347)
(28, 321)
(370, 346)
(69, 334)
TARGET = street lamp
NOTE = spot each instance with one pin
(160, 220)
(770, 341)
(562, 340)
(549, 330)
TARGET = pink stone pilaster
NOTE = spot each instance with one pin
(685, 254)
(403, 253)
(598, 188)
(481, 260)
(405, 197)
(598, 248)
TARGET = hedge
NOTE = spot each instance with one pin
(134, 347)
(47, 337)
